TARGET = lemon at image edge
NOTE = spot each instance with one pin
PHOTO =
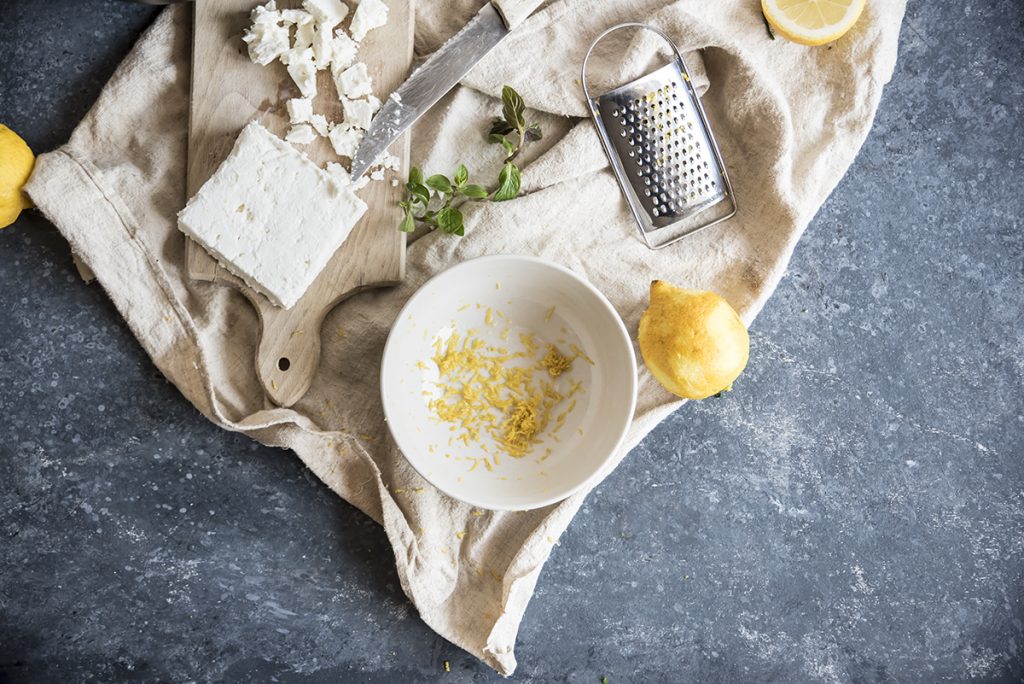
(692, 341)
(812, 22)
(16, 162)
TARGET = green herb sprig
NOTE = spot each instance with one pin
(436, 200)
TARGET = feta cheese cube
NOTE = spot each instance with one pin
(358, 113)
(323, 45)
(328, 13)
(265, 13)
(299, 110)
(355, 81)
(343, 53)
(302, 134)
(266, 41)
(319, 124)
(304, 30)
(377, 174)
(302, 69)
(271, 216)
(345, 139)
(370, 14)
(293, 16)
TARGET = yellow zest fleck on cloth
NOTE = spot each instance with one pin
(447, 666)
(460, 535)
(549, 314)
(477, 513)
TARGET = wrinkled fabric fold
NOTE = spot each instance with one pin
(789, 120)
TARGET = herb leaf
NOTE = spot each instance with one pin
(449, 220)
(408, 223)
(509, 181)
(440, 183)
(473, 191)
(533, 132)
(512, 108)
(500, 127)
(461, 175)
(415, 175)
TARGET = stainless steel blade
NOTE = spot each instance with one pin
(429, 83)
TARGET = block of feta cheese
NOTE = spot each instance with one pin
(370, 14)
(343, 52)
(271, 216)
(358, 113)
(339, 173)
(300, 110)
(328, 13)
(355, 81)
(302, 69)
(302, 134)
(345, 139)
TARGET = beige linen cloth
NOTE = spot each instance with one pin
(790, 120)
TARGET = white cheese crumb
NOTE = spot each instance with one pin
(319, 124)
(355, 81)
(302, 69)
(323, 46)
(345, 139)
(302, 134)
(374, 103)
(343, 52)
(299, 110)
(390, 162)
(358, 113)
(293, 16)
(327, 13)
(370, 14)
(271, 216)
(265, 13)
(377, 174)
(394, 182)
(304, 30)
(266, 40)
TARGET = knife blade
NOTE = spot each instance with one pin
(437, 76)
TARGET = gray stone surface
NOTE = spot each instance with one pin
(854, 511)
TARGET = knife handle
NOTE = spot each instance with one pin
(514, 12)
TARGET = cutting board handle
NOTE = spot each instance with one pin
(288, 354)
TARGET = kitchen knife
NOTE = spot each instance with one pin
(438, 75)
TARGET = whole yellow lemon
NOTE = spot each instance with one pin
(16, 162)
(692, 341)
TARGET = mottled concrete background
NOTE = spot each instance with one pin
(854, 511)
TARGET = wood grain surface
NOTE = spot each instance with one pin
(228, 91)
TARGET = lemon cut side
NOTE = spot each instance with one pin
(812, 22)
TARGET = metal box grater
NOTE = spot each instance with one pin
(662, 150)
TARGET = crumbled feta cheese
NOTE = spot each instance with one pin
(339, 173)
(304, 31)
(323, 44)
(266, 41)
(299, 110)
(293, 16)
(390, 162)
(319, 124)
(271, 216)
(343, 52)
(377, 174)
(355, 81)
(265, 13)
(394, 182)
(302, 134)
(358, 113)
(302, 69)
(327, 13)
(370, 14)
(374, 103)
(345, 139)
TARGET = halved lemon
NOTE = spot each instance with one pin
(812, 22)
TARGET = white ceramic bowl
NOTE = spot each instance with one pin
(523, 294)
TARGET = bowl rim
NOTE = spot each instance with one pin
(602, 467)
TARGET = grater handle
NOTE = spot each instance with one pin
(591, 102)
(514, 12)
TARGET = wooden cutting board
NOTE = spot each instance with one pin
(228, 91)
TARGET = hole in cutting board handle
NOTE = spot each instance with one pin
(283, 363)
